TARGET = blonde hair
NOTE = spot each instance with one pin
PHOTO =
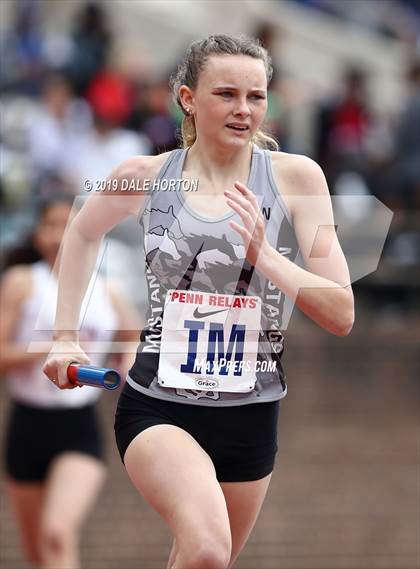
(188, 73)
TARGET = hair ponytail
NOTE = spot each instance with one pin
(265, 140)
(188, 132)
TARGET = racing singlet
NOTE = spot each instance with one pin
(28, 384)
(213, 324)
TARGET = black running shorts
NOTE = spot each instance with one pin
(35, 437)
(240, 440)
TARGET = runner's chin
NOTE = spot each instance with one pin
(206, 383)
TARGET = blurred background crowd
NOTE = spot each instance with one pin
(76, 100)
(85, 85)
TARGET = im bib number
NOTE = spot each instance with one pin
(209, 341)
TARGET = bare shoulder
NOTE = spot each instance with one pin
(139, 167)
(120, 196)
(297, 174)
(16, 283)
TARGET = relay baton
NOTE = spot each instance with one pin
(93, 376)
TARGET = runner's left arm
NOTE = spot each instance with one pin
(322, 289)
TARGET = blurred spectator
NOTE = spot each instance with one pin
(92, 41)
(407, 142)
(396, 179)
(111, 95)
(342, 128)
(401, 188)
(56, 125)
(70, 142)
(22, 62)
(93, 156)
(152, 115)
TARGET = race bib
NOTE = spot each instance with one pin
(209, 341)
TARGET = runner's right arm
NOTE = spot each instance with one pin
(82, 240)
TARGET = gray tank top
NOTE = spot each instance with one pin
(187, 251)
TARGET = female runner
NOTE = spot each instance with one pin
(53, 452)
(196, 423)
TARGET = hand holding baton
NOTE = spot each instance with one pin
(93, 376)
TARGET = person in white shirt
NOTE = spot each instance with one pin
(53, 451)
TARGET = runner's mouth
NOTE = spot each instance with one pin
(238, 128)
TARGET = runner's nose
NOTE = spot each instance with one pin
(242, 107)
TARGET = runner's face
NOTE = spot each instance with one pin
(50, 230)
(230, 100)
